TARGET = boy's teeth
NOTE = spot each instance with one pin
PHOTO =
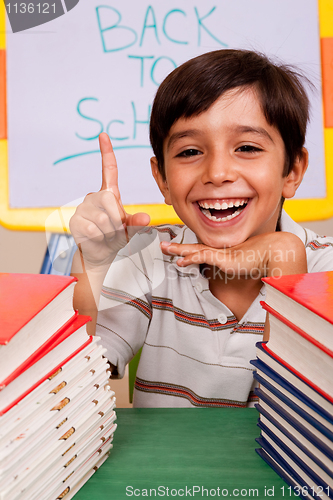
(223, 219)
(222, 206)
(216, 208)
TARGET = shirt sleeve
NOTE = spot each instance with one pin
(125, 305)
(319, 250)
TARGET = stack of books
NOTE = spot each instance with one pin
(295, 372)
(57, 415)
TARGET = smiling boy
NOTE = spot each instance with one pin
(227, 129)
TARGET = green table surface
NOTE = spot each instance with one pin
(180, 451)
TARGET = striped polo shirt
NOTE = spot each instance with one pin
(194, 351)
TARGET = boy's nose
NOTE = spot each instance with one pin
(218, 169)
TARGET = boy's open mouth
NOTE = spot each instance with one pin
(221, 212)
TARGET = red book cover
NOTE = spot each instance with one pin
(65, 331)
(295, 372)
(297, 329)
(33, 387)
(313, 291)
(23, 296)
(72, 326)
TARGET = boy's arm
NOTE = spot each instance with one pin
(100, 227)
(87, 290)
(269, 254)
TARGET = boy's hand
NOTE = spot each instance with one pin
(100, 225)
(269, 254)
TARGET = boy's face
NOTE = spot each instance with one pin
(224, 171)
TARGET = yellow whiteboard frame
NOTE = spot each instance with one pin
(56, 220)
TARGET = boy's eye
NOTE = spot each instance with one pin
(247, 148)
(189, 152)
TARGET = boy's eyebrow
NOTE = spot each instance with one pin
(255, 130)
(182, 133)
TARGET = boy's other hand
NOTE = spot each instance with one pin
(269, 254)
(100, 225)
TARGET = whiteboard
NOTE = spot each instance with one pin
(97, 68)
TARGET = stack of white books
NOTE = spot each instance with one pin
(57, 410)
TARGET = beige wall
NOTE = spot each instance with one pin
(21, 251)
(323, 228)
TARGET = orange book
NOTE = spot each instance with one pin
(34, 307)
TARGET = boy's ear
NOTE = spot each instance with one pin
(162, 183)
(295, 176)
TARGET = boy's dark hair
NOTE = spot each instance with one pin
(195, 85)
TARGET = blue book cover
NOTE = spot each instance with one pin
(301, 387)
(279, 397)
(283, 417)
(298, 448)
(305, 423)
(296, 468)
(283, 474)
(294, 391)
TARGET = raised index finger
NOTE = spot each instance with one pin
(109, 165)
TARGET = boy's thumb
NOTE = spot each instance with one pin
(139, 219)
(136, 222)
